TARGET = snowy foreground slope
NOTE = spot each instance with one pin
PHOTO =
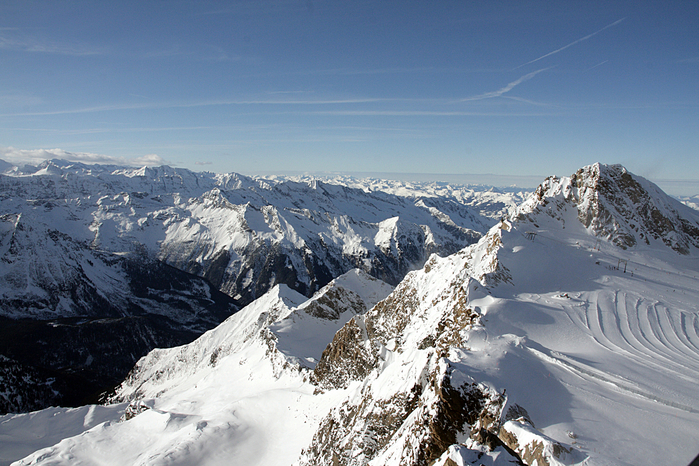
(233, 396)
(569, 334)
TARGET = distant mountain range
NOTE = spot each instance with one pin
(100, 264)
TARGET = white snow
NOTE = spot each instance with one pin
(584, 346)
(21, 434)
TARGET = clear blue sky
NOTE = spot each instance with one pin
(446, 87)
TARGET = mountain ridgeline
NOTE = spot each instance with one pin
(622, 208)
(100, 264)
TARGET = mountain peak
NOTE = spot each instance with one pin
(618, 206)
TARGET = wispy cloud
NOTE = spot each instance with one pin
(20, 157)
(598, 64)
(506, 89)
(418, 113)
(140, 129)
(207, 103)
(208, 53)
(571, 44)
(528, 101)
(103, 108)
(689, 60)
(19, 100)
(289, 92)
(34, 45)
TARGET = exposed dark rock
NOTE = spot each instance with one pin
(350, 356)
(532, 447)
(133, 409)
(425, 420)
(81, 357)
(617, 206)
(468, 406)
(24, 388)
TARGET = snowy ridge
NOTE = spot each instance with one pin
(620, 207)
(229, 396)
(293, 329)
(491, 202)
(163, 369)
(552, 340)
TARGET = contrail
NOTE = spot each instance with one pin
(506, 89)
(572, 43)
(598, 64)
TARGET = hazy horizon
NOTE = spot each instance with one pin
(680, 188)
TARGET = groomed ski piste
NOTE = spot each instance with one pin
(599, 344)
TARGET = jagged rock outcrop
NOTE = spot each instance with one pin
(533, 447)
(409, 401)
(619, 207)
(412, 426)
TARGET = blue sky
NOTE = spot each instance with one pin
(444, 87)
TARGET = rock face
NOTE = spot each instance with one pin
(532, 446)
(620, 207)
(414, 426)
(410, 396)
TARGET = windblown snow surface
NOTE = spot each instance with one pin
(569, 334)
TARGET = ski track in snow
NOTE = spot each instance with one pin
(653, 337)
(648, 334)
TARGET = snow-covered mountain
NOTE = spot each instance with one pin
(568, 334)
(156, 256)
(242, 389)
(621, 208)
(491, 202)
(242, 235)
(690, 201)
